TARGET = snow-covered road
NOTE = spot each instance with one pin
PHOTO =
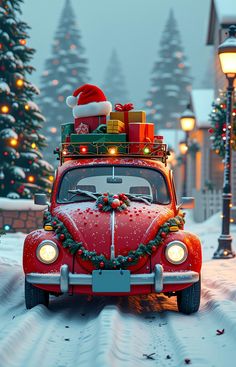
(123, 331)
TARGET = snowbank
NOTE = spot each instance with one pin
(19, 204)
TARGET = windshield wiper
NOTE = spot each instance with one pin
(144, 198)
(85, 193)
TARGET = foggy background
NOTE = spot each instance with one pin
(133, 27)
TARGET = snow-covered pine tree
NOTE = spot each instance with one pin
(114, 81)
(170, 81)
(22, 168)
(64, 71)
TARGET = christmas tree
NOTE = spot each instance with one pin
(218, 125)
(170, 82)
(22, 168)
(64, 70)
(114, 83)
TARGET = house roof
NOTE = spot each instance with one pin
(222, 11)
(202, 101)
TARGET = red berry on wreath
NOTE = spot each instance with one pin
(62, 237)
(80, 251)
(115, 203)
(100, 206)
(163, 234)
(130, 259)
(105, 199)
(54, 223)
(154, 248)
(105, 194)
(115, 196)
(101, 265)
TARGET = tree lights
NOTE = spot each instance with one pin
(22, 169)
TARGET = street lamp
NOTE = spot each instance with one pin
(187, 122)
(227, 56)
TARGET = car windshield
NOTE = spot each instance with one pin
(136, 181)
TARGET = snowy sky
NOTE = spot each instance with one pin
(134, 27)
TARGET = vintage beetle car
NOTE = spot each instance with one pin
(86, 249)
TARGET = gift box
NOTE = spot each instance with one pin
(113, 139)
(158, 139)
(115, 127)
(92, 122)
(128, 117)
(66, 130)
(82, 129)
(142, 133)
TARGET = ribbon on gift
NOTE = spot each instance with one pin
(124, 107)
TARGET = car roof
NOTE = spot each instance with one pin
(138, 162)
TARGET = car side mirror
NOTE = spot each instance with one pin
(187, 203)
(40, 199)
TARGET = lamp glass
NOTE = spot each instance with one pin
(187, 123)
(228, 62)
(183, 148)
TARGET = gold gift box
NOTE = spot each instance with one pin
(129, 116)
(115, 127)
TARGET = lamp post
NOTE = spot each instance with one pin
(227, 56)
(187, 122)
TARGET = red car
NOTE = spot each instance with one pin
(113, 227)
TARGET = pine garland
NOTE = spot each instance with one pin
(119, 262)
(218, 125)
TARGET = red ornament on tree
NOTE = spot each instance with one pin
(101, 265)
(62, 237)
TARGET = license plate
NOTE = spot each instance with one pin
(109, 281)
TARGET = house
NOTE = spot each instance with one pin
(205, 166)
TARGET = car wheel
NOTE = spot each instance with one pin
(188, 300)
(35, 296)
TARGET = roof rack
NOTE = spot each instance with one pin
(156, 151)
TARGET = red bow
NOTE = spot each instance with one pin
(124, 107)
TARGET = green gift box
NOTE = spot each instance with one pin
(112, 139)
(66, 130)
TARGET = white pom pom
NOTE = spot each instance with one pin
(71, 101)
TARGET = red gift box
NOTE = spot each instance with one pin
(92, 121)
(140, 132)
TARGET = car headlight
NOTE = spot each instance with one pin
(47, 252)
(176, 252)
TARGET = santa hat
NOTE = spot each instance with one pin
(89, 100)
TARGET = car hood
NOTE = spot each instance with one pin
(125, 230)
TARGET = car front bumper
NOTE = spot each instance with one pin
(158, 278)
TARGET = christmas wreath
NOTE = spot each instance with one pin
(119, 262)
(218, 125)
(107, 202)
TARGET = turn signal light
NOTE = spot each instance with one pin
(47, 227)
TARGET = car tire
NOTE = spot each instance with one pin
(188, 300)
(35, 296)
